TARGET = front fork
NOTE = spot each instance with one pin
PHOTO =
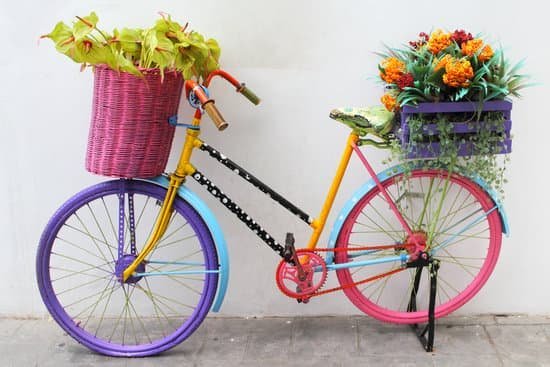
(158, 230)
(183, 169)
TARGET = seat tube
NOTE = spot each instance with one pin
(385, 194)
(319, 223)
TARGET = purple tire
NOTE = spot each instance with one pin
(94, 236)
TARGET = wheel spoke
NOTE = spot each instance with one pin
(92, 237)
(142, 316)
(448, 209)
(389, 234)
(75, 272)
(100, 230)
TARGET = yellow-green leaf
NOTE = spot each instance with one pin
(84, 26)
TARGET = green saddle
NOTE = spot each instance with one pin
(370, 120)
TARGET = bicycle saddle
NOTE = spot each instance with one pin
(363, 120)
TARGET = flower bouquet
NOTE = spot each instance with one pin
(449, 93)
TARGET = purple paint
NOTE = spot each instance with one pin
(429, 150)
(75, 327)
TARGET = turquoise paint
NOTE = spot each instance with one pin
(471, 225)
(403, 258)
(186, 272)
(215, 230)
(175, 263)
(384, 175)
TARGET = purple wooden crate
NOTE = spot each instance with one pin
(429, 150)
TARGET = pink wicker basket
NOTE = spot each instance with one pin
(129, 133)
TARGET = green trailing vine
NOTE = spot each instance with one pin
(483, 146)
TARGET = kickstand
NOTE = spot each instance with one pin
(429, 329)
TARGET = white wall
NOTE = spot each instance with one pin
(303, 58)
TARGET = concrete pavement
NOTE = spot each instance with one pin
(311, 341)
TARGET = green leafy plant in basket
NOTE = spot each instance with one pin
(451, 67)
(167, 45)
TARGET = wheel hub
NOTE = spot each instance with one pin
(416, 244)
(123, 263)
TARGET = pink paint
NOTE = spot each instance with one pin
(394, 209)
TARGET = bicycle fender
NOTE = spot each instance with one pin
(215, 230)
(384, 175)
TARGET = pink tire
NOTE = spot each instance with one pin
(471, 240)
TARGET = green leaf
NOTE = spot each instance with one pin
(436, 77)
(150, 42)
(214, 48)
(130, 41)
(62, 37)
(166, 45)
(84, 26)
(89, 52)
(163, 54)
(461, 93)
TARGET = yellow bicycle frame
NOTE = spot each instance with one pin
(185, 168)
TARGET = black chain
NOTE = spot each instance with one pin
(241, 214)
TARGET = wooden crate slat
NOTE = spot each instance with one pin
(429, 150)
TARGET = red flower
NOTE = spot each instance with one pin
(423, 38)
(405, 80)
(460, 36)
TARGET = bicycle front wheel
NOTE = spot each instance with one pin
(461, 228)
(100, 231)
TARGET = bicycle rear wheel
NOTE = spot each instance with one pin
(79, 258)
(464, 233)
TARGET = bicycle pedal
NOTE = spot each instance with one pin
(289, 250)
(289, 240)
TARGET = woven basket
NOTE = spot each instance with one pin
(129, 133)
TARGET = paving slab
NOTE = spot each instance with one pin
(463, 341)
(468, 320)
(390, 360)
(269, 339)
(8, 328)
(387, 339)
(226, 337)
(325, 338)
(521, 344)
(303, 341)
(445, 360)
(521, 320)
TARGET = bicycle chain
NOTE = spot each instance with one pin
(320, 292)
(274, 245)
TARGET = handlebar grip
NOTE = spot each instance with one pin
(215, 115)
(249, 94)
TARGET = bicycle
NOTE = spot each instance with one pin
(131, 267)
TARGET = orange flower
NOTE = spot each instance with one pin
(485, 54)
(472, 47)
(439, 40)
(389, 102)
(441, 63)
(458, 73)
(393, 69)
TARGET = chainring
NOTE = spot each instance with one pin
(315, 275)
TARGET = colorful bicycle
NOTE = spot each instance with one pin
(131, 267)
